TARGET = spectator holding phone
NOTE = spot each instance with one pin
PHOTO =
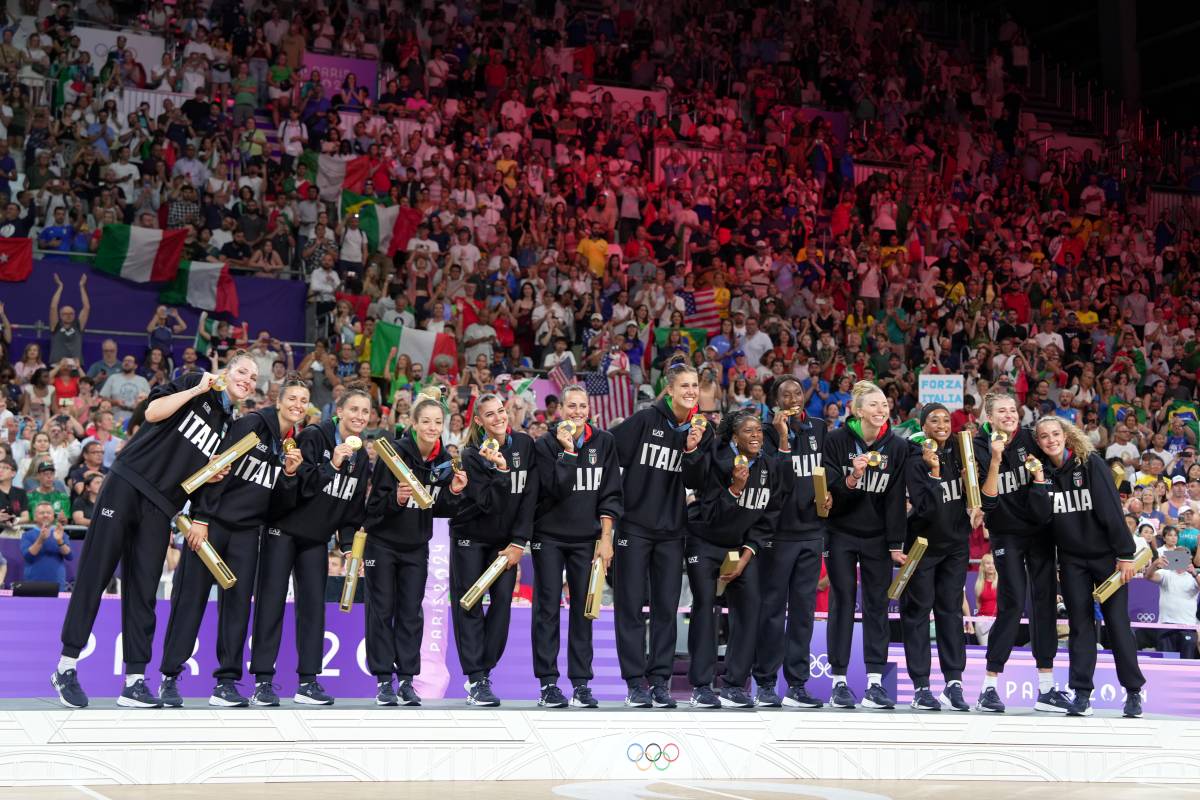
(1178, 587)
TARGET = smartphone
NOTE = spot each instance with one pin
(464, 396)
(64, 402)
(1178, 559)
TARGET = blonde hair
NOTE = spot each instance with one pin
(980, 580)
(859, 392)
(995, 396)
(1076, 439)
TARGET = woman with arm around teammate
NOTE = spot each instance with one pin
(494, 518)
(230, 515)
(736, 510)
(1024, 554)
(185, 421)
(328, 501)
(661, 451)
(579, 502)
(1077, 498)
(397, 554)
(865, 465)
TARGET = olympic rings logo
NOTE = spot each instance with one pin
(660, 757)
(1147, 616)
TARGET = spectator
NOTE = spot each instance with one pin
(125, 389)
(47, 492)
(1178, 590)
(45, 547)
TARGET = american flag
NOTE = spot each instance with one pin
(563, 374)
(700, 311)
(611, 398)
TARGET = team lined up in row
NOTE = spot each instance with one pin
(621, 496)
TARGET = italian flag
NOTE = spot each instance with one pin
(333, 174)
(205, 285)
(419, 345)
(141, 255)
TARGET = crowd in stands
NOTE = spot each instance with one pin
(560, 224)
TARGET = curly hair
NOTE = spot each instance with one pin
(1080, 445)
(732, 423)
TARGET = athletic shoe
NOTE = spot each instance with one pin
(842, 697)
(70, 693)
(989, 700)
(264, 695)
(312, 694)
(408, 695)
(1133, 704)
(766, 697)
(923, 700)
(552, 697)
(877, 697)
(661, 695)
(735, 697)
(168, 692)
(226, 695)
(582, 697)
(798, 697)
(138, 696)
(480, 693)
(952, 697)
(1081, 706)
(386, 696)
(705, 697)
(639, 697)
(1054, 701)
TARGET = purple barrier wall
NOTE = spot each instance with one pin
(32, 625)
(274, 305)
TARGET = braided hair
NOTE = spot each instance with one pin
(732, 423)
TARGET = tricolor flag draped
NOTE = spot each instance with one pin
(141, 255)
(419, 345)
(336, 173)
(205, 285)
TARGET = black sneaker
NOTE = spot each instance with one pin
(138, 696)
(168, 692)
(70, 693)
(264, 695)
(952, 697)
(639, 697)
(582, 697)
(705, 697)
(1054, 701)
(226, 695)
(735, 697)
(661, 696)
(767, 697)
(989, 700)
(386, 695)
(923, 700)
(798, 697)
(1081, 706)
(877, 697)
(1133, 704)
(842, 697)
(312, 694)
(408, 695)
(480, 693)
(552, 697)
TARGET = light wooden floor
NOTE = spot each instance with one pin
(621, 790)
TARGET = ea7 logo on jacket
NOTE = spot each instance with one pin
(656, 456)
(197, 431)
(1071, 501)
(341, 487)
(656, 433)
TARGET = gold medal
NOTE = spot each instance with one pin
(874, 459)
(740, 460)
(568, 426)
(490, 444)
(353, 442)
(289, 444)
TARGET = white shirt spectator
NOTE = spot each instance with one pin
(479, 331)
(323, 283)
(755, 346)
(1126, 452)
(1177, 597)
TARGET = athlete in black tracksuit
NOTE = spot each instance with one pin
(739, 518)
(577, 490)
(325, 501)
(652, 448)
(790, 569)
(865, 524)
(496, 511)
(234, 511)
(132, 525)
(396, 562)
(1080, 504)
(1025, 564)
(938, 514)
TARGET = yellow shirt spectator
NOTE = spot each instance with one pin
(595, 250)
